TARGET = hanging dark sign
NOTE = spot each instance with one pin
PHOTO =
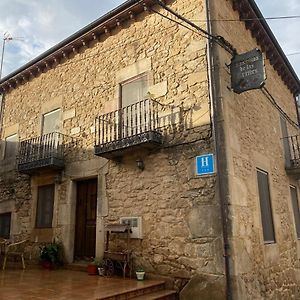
(247, 71)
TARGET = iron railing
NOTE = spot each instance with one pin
(292, 151)
(130, 121)
(47, 146)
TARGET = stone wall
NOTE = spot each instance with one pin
(181, 219)
(15, 197)
(253, 140)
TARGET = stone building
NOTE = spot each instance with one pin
(106, 126)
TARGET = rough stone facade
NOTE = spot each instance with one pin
(253, 141)
(180, 211)
(181, 214)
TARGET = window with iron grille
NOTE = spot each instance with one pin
(5, 225)
(295, 204)
(265, 206)
(45, 202)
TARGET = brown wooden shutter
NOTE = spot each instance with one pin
(45, 206)
(286, 145)
(295, 205)
(265, 206)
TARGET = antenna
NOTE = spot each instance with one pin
(7, 37)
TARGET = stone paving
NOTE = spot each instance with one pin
(39, 284)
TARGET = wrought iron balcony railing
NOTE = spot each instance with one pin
(292, 154)
(136, 125)
(43, 152)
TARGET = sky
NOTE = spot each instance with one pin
(38, 25)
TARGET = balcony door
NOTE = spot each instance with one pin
(85, 228)
(134, 106)
(50, 139)
(51, 122)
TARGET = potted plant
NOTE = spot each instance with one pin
(140, 273)
(92, 268)
(51, 255)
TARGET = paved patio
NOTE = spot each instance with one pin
(39, 284)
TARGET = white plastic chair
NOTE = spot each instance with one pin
(15, 249)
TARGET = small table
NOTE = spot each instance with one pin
(122, 258)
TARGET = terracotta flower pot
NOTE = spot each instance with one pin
(92, 270)
(48, 265)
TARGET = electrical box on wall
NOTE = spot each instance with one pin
(135, 224)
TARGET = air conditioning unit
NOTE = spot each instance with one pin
(135, 224)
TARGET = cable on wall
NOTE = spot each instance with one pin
(221, 41)
(273, 101)
(229, 48)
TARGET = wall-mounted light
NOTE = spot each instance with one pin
(140, 164)
(58, 178)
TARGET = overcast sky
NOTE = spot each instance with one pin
(42, 24)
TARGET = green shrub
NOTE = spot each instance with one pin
(52, 253)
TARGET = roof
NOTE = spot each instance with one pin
(57, 54)
(83, 37)
(255, 22)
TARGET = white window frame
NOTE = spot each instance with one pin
(47, 114)
(15, 135)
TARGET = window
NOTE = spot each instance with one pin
(44, 211)
(265, 206)
(134, 90)
(11, 146)
(286, 146)
(295, 205)
(51, 121)
(135, 112)
(5, 225)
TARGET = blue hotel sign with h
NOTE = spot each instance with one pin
(205, 164)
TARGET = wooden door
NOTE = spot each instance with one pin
(85, 229)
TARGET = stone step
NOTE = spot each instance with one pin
(82, 267)
(159, 295)
(147, 288)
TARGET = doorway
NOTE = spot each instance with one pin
(86, 211)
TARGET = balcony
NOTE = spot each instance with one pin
(42, 153)
(128, 129)
(292, 155)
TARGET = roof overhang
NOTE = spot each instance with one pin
(260, 30)
(82, 38)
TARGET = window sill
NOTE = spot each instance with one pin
(270, 243)
(42, 235)
(271, 254)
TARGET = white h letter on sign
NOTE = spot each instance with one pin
(204, 161)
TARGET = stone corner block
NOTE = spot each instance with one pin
(204, 287)
(159, 89)
(204, 221)
(69, 114)
(75, 130)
